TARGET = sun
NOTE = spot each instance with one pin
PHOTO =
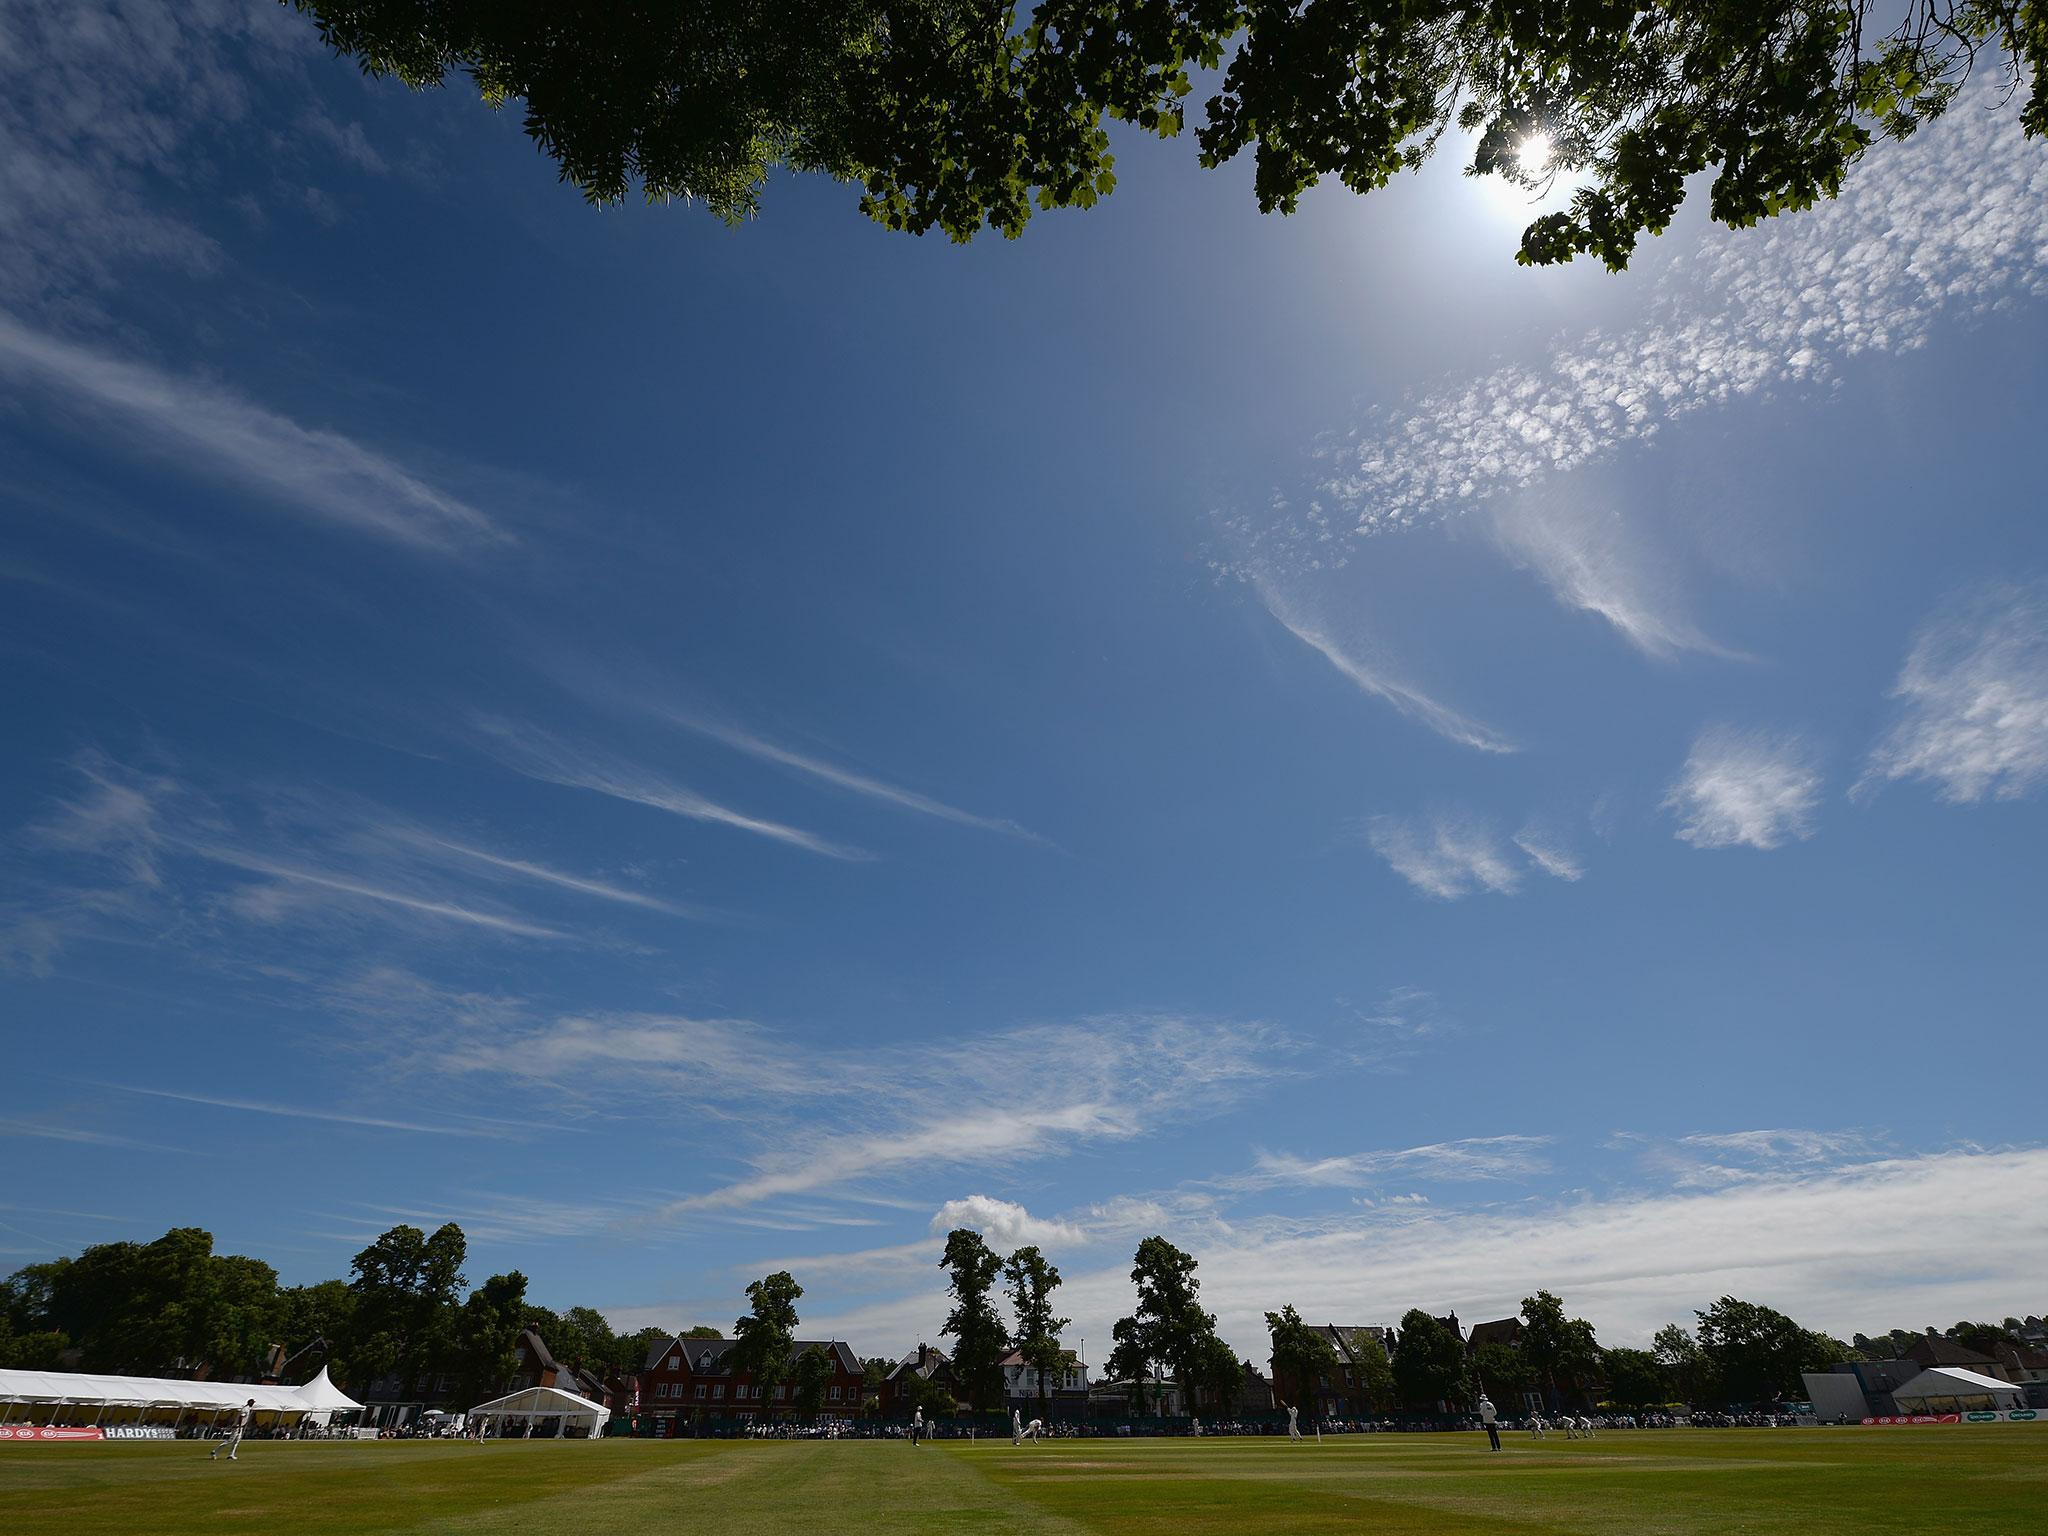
(1533, 155)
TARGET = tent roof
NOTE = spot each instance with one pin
(1951, 1381)
(322, 1393)
(146, 1391)
(543, 1400)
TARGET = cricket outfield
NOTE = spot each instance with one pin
(1710, 1482)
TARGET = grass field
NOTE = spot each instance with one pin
(1751, 1482)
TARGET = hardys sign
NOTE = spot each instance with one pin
(15, 1432)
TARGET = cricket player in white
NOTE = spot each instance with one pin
(1293, 1422)
(233, 1442)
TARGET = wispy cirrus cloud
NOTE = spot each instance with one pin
(1745, 789)
(311, 471)
(1476, 1158)
(1599, 561)
(1973, 700)
(488, 1132)
(1935, 231)
(286, 883)
(1376, 680)
(541, 755)
(866, 785)
(818, 1117)
(1451, 854)
(1925, 232)
(1550, 852)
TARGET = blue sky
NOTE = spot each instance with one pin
(692, 750)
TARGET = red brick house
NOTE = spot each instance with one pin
(691, 1381)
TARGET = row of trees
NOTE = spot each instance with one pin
(408, 1315)
(174, 1307)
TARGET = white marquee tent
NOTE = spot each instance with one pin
(70, 1397)
(1950, 1388)
(535, 1405)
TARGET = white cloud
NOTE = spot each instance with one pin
(1452, 854)
(282, 898)
(1549, 852)
(1840, 1249)
(527, 869)
(1745, 789)
(326, 1116)
(1599, 562)
(313, 471)
(1005, 1224)
(1473, 1158)
(540, 755)
(845, 778)
(984, 1099)
(1942, 229)
(1710, 1160)
(1378, 681)
(1973, 716)
(1935, 229)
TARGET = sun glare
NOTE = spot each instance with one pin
(1534, 155)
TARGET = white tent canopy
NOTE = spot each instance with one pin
(542, 1403)
(1942, 1383)
(74, 1390)
(322, 1397)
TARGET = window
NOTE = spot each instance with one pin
(835, 1394)
(718, 1391)
(781, 1390)
(700, 1391)
(675, 1361)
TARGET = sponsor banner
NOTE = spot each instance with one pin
(1981, 1416)
(141, 1432)
(18, 1432)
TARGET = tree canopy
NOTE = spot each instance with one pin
(979, 1338)
(1168, 1329)
(1032, 1281)
(766, 1336)
(1302, 1354)
(1429, 1362)
(961, 115)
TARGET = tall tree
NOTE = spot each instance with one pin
(486, 1336)
(1758, 1352)
(1635, 1379)
(1376, 1377)
(1302, 1356)
(167, 1307)
(1168, 1330)
(808, 1382)
(979, 1338)
(407, 1284)
(1561, 1351)
(767, 1334)
(1502, 1369)
(1217, 1379)
(1691, 1373)
(958, 116)
(1429, 1362)
(1032, 1281)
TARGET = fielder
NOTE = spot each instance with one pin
(233, 1440)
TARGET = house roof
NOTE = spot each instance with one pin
(543, 1357)
(1933, 1349)
(923, 1361)
(1505, 1330)
(710, 1357)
